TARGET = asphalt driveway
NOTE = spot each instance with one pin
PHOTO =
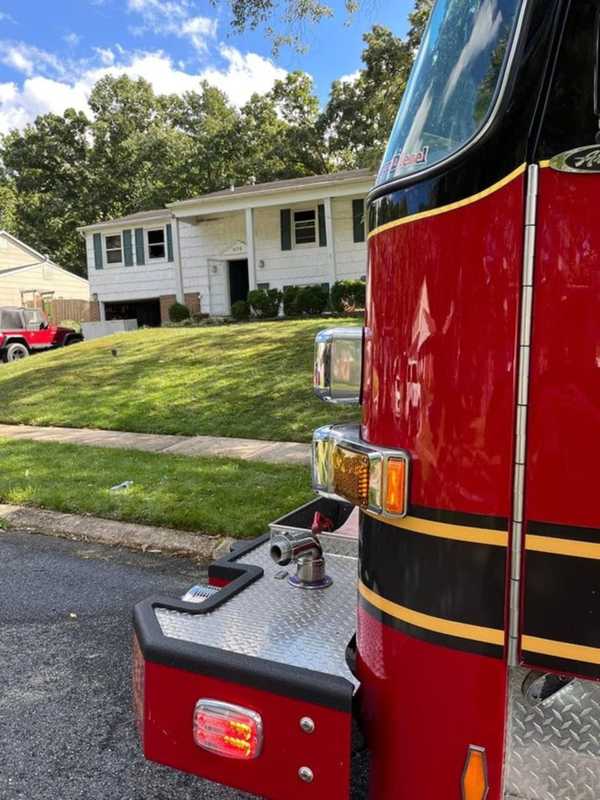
(66, 729)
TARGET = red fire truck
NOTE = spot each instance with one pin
(460, 641)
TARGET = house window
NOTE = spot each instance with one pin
(114, 249)
(305, 227)
(156, 243)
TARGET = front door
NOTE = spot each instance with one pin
(238, 280)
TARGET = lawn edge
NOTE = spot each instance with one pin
(201, 547)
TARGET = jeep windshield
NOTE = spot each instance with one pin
(453, 84)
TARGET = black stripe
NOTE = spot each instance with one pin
(562, 666)
(562, 599)
(456, 580)
(570, 532)
(459, 518)
(453, 642)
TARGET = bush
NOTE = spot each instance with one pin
(312, 299)
(265, 302)
(240, 310)
(348, 295)
(290, 296)
(178, 312)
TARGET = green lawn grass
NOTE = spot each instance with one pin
(252, 380)
(210, 495)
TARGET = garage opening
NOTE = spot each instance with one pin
(147, 312)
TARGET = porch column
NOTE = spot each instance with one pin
(179, 290)
(251, 248)
(330, 233)
(102, 311)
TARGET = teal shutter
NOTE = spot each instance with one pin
(169, 242)
(98, 251)
(285, 216)
(139, 246)
(128, 248)
(322, 227)
(358, 220)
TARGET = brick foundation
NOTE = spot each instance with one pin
(166, 301)
(192, 301)
(94, 311)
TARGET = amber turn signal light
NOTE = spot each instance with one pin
(475, 784)
(395, 486)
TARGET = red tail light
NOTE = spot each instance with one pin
(228, 730)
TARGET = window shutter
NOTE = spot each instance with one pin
(98, 250)
(358, 220)
(322, 227)
(169, 242)
(128, 248)
(285, 216)
(139, 246)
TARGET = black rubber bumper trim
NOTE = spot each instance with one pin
(331, 691)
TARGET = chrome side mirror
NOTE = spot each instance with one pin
(338, 365)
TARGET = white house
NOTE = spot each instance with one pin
(29, 278)
(209, 251)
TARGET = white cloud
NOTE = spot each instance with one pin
(174, 18)
(352, 77)
(241, 75)
(72, 39)
(27, 59)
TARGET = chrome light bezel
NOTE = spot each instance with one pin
(327, 438)
(337, 349)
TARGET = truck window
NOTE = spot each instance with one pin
(11, 320)
(453, 84)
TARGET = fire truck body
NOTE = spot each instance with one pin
(478, 616)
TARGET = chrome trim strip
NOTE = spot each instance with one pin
(415, 177)
(523, 373)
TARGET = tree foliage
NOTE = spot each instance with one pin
(137, 150)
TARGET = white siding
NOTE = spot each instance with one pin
(115, 282)
(207, 246)
(42, 278)
(11, 255)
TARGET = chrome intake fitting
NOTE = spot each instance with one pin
(304, 550)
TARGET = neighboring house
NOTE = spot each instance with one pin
(27, 278)
(209, 251)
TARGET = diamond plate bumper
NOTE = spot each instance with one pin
(553, 749)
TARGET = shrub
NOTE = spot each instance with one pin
(348, 295)
(290, 296)
(178, 312)
(240, 310)
(265, 302)
(312, 299)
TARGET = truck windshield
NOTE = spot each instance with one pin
(453, 83)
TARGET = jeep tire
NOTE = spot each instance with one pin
(15, 352)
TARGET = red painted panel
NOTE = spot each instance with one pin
(170, 698)
(423, 706)
(441, 349)
(564, 416)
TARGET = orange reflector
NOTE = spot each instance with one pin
(227, 730)
(475, 780)
(395, 491)
(351, 476)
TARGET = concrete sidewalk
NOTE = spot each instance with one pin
(246, 449)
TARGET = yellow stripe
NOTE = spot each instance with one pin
(574, 652)
(433, 212)
(544, 164)
(562, 547)
(442, 530)
(436, 624)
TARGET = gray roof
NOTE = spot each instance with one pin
(289, 183)
(130, 219)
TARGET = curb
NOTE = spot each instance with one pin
(199, 546)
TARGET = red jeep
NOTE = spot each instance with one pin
(24, 331)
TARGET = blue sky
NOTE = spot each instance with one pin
(51, 53)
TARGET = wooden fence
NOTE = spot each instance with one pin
(61, 309)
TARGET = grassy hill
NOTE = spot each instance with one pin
(251, 380)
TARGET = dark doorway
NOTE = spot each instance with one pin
(238, 280)
(147, 312)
